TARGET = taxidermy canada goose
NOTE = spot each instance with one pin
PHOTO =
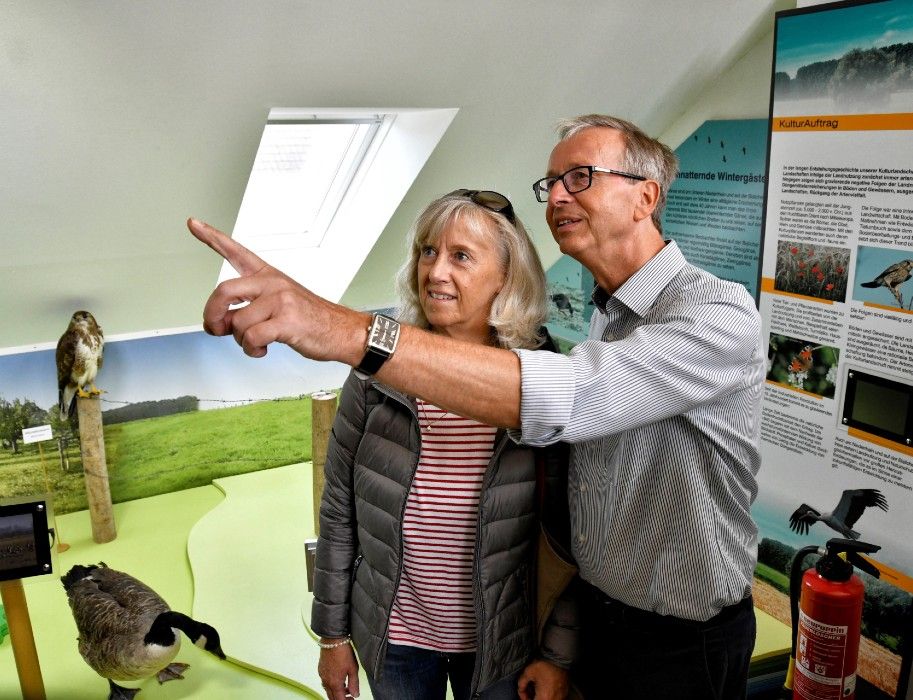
(126, 631)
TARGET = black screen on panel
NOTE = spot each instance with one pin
(880, 406)
(24, 541)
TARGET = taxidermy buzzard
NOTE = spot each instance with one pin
(79, 357)
(852, 504)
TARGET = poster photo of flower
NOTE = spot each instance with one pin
(802, 364)
(812, 270)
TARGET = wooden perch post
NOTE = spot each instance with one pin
(95, 468)
(323, 410)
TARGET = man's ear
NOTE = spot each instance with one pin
(649, 196)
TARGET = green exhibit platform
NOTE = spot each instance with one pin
(231, 554)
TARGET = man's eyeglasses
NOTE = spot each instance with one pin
(575, 180)
(493, 201)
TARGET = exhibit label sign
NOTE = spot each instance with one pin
(38, 433)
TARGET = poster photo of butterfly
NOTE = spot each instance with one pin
(802, 364)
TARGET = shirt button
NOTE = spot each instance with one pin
(583, 488)
(581, 538)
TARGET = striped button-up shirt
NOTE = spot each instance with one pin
(662, 405)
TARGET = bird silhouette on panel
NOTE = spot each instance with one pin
(80, 352)
(127, 632)
(892, 278)
(852, 505)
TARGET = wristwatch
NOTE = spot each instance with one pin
(383, 335)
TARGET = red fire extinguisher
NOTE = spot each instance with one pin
(827, 621)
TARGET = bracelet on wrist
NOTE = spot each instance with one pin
(332, 645)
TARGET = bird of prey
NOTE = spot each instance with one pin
(852, 504)
(892, 278)
(79, 357)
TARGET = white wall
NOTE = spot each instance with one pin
(742, 92)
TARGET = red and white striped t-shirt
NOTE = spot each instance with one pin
(434, 606)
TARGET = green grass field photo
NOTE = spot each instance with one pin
(159, 455)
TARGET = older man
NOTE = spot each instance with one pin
(661, 405)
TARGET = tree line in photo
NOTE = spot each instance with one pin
(860, 73)
(19, 414)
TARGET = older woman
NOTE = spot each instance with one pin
(428, 522)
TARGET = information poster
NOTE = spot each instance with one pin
(714, 207)
(837, 304)
(713, 212)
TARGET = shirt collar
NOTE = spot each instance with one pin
(640, 290)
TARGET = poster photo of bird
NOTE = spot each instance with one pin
(127, 632)
(562, 302)
(79, 356)
(852, 504)
(891, 278)
(565, 311)
(882, 276)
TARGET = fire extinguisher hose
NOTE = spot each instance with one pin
(795, 585)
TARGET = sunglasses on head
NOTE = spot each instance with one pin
(493, 201)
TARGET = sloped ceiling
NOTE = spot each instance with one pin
(118, 120)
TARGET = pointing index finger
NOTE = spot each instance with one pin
(240, 258)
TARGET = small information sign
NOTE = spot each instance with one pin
(37, 434)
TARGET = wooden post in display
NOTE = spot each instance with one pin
(323, 411)
(23, 640)
(61, 545)
(95, 468)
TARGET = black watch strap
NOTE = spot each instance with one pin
(371, 362)
(383, 335)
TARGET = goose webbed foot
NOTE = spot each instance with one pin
(118, 692)
(172, 672)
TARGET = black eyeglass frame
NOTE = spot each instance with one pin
(539, 188)
(474, 196)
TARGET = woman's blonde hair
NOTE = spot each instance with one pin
(519, 309)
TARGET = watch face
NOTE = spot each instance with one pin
(384, 334)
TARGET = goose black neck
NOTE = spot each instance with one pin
(162, 630)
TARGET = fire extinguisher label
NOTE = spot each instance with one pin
(820, 654)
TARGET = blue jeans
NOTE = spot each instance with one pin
(410, 673)
(629, 653)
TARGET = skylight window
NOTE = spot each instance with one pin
(325, 183)
(300, 175)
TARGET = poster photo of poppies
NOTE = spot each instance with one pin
(812, 270)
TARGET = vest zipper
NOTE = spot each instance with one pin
(501, 438)
(382, 652)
